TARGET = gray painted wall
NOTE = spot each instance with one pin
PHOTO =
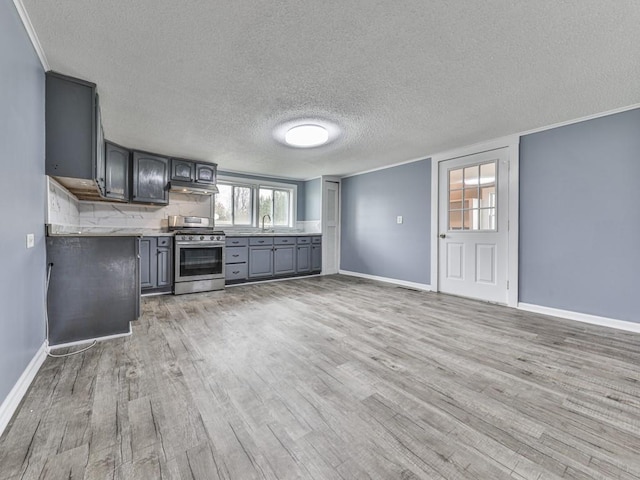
(22, 199)
(313, 199)
(372, 242)
(300, 184)
(579, 217)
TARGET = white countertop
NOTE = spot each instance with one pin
(271, 234)
(78, 231)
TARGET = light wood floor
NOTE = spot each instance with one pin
(335, 377)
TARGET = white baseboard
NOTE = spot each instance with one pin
(89, 340)
(10, 404)
(582, 317)
(404, 283)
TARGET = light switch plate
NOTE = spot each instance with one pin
(31, 240)
(399, 219)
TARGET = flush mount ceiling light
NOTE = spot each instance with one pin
(306, 133)
(306, 136)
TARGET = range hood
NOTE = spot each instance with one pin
(191, 188)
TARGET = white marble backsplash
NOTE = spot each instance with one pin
(65, 209)
(311, 226)
(62, 206)
(145, 216)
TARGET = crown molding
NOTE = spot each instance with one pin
(33, 36)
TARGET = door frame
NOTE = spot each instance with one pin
(512, 144)
(323, 227)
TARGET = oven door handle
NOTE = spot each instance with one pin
(200, 244)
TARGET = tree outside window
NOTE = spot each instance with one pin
(276, 204)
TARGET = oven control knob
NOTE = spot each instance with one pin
(201, 238)
(212, 237)
(190, 237)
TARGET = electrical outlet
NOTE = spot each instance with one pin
(31, 240)
(399, 219)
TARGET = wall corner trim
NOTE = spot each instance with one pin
(403, 283)
(10, 404)
(33, 36)
(582, 317)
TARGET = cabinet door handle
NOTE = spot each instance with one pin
(235, 242)
(235, 272)
(235, 255)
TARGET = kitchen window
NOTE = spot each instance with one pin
(243, 203)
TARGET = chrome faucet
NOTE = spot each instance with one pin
(263, 217)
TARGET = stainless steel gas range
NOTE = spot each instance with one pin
(199, 255)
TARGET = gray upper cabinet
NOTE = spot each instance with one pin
(72, 127)
(100, 153)
(150, 178)
(182, 170)
(206, 173)
(117, 172)
(189, 172)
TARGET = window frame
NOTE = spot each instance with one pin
(255, 185)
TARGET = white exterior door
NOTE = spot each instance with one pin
(473, 248)
(330, 227)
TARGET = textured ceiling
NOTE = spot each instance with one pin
(212, 79)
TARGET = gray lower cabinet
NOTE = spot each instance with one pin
(262, 257)
(147, 267)
(260, 261)
(284, 259)
(316, 258)
(236, 267)
(304, 258)
(105, 270)
(164, 265)
(156, 264)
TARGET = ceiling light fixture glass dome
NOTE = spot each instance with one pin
(307, 136)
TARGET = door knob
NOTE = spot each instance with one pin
(442, 235)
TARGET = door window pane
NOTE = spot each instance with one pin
(488, 173)
(471, 175)
(472, 197)
(488, 197)
(487, 219)
(455, 220)
(222, 207)
(470, 219)
(242, 205)
(455, 179)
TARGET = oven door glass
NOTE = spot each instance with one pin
(200, 262)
